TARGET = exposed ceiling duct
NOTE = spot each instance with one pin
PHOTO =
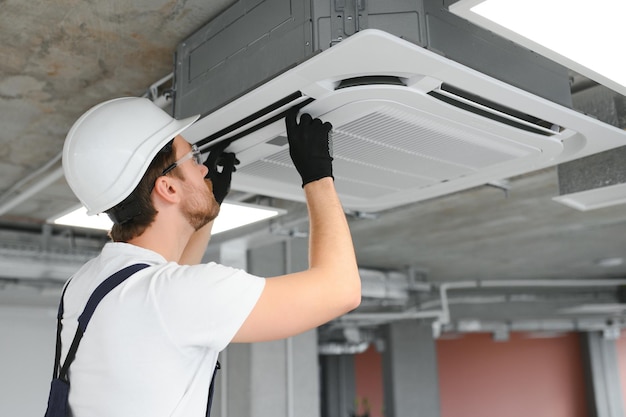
(594, 182)
(599, 180)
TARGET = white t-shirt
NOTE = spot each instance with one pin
(151, 346)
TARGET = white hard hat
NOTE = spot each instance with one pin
(109, 148)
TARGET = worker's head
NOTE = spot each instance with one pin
(114, 153)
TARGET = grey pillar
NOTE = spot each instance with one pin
(411, 387)
(270, 379)
(338, 389)
(604, 391)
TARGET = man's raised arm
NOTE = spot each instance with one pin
(293, 303)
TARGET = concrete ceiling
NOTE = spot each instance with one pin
(58, 58)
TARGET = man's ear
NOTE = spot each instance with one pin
(166, 189)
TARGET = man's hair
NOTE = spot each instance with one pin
(139, 202)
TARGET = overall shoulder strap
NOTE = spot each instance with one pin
(99, 293)
(57, 351)
(103, 289)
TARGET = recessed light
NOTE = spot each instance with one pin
(232, 215)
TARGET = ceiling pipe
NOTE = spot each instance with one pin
(333, 348)
(30, 176)
(442, 317)
(27, 193)
(387, 317)
(537, 328)
(389, 285)
(443, 296)
(163, 100)
(571, 283)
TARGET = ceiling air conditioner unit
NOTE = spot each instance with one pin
(408, 125)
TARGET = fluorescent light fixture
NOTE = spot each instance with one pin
(78, 217)
(232, 215)
(581, 35)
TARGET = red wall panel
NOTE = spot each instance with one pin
(540, 377)
(368, 372)
(479, 377)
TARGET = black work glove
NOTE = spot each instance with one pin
(309, 146)
(221, 166)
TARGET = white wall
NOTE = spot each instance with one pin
(27, 341)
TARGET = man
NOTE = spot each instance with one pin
(152, 344)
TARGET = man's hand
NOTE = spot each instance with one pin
(309, 146)
(221, 166)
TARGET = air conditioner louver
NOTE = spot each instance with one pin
(407, 126)
(477, 105)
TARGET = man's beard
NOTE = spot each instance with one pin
(201, 207)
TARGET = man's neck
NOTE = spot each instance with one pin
(168, 239)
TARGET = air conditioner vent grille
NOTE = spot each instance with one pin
(486, 108)
(277, 167)
(397, 135)
(395, 148)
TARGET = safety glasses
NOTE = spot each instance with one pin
(194, 153)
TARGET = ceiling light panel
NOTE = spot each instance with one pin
(583, 36)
